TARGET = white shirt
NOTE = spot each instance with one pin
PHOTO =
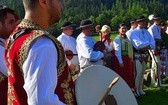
(154, 30)
(69, 43)
(117, 47)
(128, 33)
(167, 30)
(109, 47)
(85, 51)
(40, 73)
(141, 38)
(3, 68)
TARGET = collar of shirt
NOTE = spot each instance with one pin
(155, 24)
(131, 29)
(139, 28)
(67, 36)
(84, 35)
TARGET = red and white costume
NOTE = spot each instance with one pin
(38, 74)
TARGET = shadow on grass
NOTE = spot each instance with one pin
(155, 96)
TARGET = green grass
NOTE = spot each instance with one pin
(112, 36)
(155, 96)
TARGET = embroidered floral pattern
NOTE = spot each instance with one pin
(11, 97)
(68, 96)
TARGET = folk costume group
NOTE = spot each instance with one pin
(127, 54)
(38, 69)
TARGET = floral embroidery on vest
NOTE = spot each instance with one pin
(11, 97)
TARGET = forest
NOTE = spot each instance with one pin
(110, 12)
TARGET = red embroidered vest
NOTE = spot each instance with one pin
(16, 54)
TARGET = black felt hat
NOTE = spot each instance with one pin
(67, 24)
(156, 16)
(133, 20)
(85, 23)
(141, 18)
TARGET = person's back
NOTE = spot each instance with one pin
(38, 74)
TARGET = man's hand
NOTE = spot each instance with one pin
(145, 49)
(72, 67)
(156, 52)
(121, 65)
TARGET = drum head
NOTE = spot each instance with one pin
(93, 82)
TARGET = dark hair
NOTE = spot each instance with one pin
(29, 4)
(3, 12)
(141, 18)
(163, 24)
(121, 24)
(133, 21)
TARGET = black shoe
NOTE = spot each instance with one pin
(137, 96)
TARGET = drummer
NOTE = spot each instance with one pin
(85, 46)
(69, 44)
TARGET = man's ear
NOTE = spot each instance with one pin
(43, 3)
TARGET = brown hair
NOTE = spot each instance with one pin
(3, 12)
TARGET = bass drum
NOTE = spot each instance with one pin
(93, 82)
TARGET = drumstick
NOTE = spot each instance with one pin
(114, 81)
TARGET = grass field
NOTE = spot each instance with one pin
(111, 35)
(155, 95)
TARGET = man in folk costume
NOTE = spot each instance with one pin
(133, 24)
(85, 46)
(69, 44)
(142, 41)
(164, 49)
(7, 25)
(124, 54)
(155, 31)
(105, 37)
(38, 73)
